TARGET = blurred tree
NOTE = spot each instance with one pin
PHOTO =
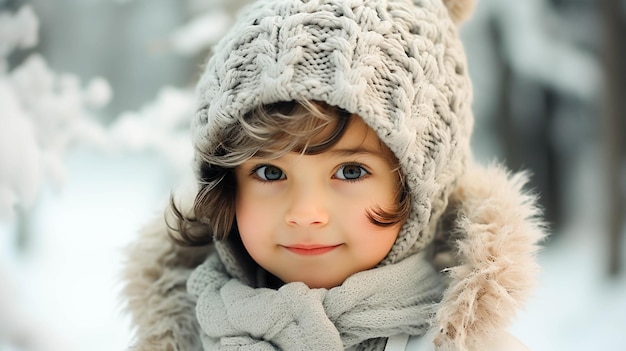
(528, 69)
(614, 54)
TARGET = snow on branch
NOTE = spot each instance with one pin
(161, 126)
(43, 114)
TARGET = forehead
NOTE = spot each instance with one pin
(358, 135)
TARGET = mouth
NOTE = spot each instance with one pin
(311, 250)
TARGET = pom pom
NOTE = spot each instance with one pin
(459, 10)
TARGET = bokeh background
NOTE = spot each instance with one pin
(95, 98)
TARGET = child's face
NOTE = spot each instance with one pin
(303, 217)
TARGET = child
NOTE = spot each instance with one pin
(338, 204)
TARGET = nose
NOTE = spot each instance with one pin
(307, 207)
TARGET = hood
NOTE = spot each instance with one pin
(486, 243)
(398, 64)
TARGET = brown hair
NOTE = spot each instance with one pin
(269, 131)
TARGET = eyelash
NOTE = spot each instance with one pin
(363, 173)
(255, 170)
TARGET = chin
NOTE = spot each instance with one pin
(314, 279)
(322, 283)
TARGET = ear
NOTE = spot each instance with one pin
(459, 10)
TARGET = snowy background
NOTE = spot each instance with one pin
(94, 104)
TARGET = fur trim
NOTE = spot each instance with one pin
(460, 10)
(494, 236)
(155, 291)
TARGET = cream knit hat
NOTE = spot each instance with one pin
(399, 64)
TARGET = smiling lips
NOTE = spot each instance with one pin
(311, 250)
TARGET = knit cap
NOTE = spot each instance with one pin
(399, 64)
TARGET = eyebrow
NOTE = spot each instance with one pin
(356, 151)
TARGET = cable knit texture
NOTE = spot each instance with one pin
(399, 64)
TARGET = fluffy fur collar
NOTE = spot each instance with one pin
(486, 247)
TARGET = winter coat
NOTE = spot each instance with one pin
(485, 247)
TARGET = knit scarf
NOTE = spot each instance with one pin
(360, 314)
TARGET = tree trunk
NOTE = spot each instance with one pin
(613, 125)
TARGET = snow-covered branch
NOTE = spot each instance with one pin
(162, 126)
(43, 113)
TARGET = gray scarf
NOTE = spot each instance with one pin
(366, 309)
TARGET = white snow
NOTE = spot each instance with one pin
(20, 156)
(161, 126)
(69, 280)
(42, 112)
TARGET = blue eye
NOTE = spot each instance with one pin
(350, 172)
(269, 173)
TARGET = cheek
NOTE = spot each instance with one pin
(383, 240)
(248, 216)
(256, 221)
(378, 240)
(248, 225)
